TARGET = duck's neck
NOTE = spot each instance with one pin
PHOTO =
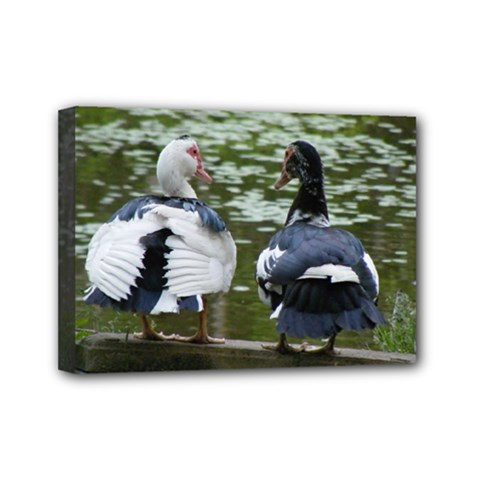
(310, 205)
(174, 186)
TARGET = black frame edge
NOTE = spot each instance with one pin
(66, 239)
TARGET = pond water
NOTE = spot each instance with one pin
(370, 175)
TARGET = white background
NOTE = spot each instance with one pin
(416, 58)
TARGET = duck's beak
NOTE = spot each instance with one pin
(201, 173)
(283, 180)
(284, 177)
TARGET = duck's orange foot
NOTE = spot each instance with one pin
(151, 335)
(284, 347)
(199, 338)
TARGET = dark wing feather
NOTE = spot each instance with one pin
(308, 246)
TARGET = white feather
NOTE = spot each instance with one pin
(186, 272)
(119, 274)
(200, 303)
(109, 288)
(117, 243)
(273, 287)
(210, 256)
(172, 213)
(268, 257)
(185, 254)
(132, 254)
(337, 273)
(264, 297)
(124, 265)
(371, 266)
(166, 303)
(180, 280)
(277, 311)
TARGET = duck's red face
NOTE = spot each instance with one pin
(285, 176)
(200, 172)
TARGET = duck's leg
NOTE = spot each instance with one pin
(148, 333)
(202, 333)
(284, 347)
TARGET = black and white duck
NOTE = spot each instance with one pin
(317, 279)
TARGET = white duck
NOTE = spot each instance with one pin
(163, 253)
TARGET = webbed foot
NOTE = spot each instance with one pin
(148, 333)
(284, 347)
(199, 338)
(326, 349)
(152, 335)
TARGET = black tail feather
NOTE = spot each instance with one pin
(139, 300)
(319, 309)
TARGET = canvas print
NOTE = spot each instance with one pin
(212, 239)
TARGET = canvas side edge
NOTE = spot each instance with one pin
(66, 239)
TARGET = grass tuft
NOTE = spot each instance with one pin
(399, 335)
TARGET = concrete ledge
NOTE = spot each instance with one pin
(116, 352)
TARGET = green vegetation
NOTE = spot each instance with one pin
(399, 335)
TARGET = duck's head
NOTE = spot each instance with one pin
(301, 161)
(178, 162)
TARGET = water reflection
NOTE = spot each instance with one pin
(370, 186)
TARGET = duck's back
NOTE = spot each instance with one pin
(319, 280)
(160, 254)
